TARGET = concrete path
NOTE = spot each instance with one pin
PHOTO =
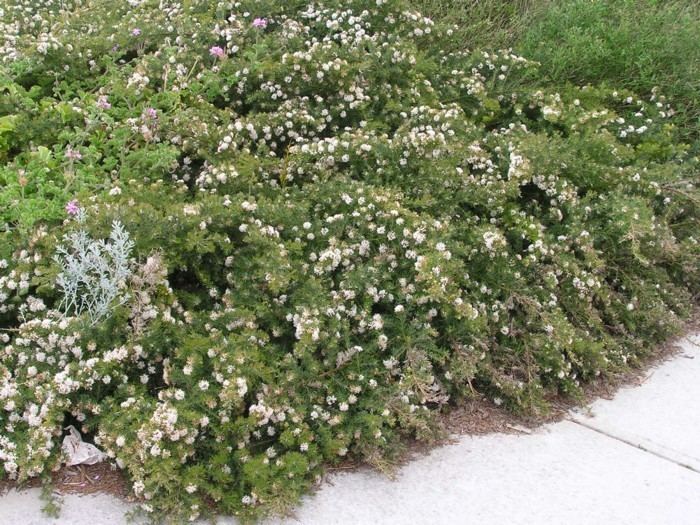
(632, 460)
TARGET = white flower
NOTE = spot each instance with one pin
(491, 239)
(249, 206)
(190, 209)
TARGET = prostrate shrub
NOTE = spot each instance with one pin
(337, 229)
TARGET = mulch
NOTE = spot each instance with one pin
(102, 477)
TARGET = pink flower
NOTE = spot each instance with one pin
(72, 207)
(136, 31)
(217, 52)
(103, 103)
(73, 154)
(150, 113)
(260, 23)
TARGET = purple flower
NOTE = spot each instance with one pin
(135, 31)
(103, 103)
(150, 113)
(73, 154)
(72, 207)
(217, 52)
(260, 23)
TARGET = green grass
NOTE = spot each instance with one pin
(485, 24)
(634, 44)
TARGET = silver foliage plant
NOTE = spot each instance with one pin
(94, 272)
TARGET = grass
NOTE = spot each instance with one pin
(484, 24)
(635, 44)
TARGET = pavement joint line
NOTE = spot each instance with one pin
(635, 445)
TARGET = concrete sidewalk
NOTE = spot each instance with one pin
(632, 460)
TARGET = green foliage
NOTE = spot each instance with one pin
(340, 225)
(483, 24)
(636, 44)
(641, 45)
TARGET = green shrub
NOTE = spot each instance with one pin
(338, 227)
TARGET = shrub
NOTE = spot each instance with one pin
(93, 273)
(337, 228)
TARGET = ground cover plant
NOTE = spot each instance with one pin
(245, 240)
